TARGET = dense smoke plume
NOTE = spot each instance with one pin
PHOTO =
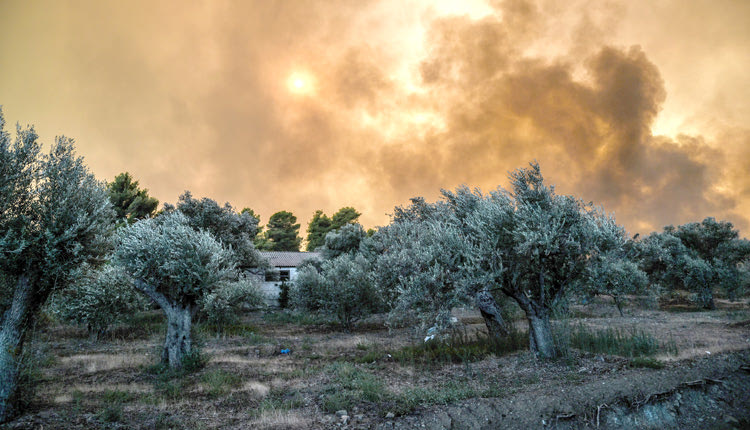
(319, 105)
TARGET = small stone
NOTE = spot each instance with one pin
(341, 413)
(344, 418)
(390, 415)
(359, 417)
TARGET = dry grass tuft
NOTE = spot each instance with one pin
(280, 419)
(256, 387)
(91, 363)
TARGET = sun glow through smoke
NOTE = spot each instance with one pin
(300, 83)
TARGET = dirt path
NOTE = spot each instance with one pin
(709, 392)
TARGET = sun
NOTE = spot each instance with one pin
(300, 83)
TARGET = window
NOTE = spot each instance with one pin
(284, 275)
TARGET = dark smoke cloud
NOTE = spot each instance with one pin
(194, 96)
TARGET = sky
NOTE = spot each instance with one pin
(641, 106)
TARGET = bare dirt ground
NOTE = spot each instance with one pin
(363, 379)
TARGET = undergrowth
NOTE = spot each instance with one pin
(613, 341)
(297, 318)
(460, 348)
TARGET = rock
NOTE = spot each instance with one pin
(345, 419)
(341, 413)
(390, 415)
(731, 420)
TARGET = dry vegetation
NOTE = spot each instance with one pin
(377, 376)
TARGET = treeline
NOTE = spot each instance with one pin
(132, 203)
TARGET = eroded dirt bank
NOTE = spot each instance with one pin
(707, 392)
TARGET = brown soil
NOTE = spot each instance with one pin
(108, 384)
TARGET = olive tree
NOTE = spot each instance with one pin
(343, 287)
(716, 258)
(698, 257)
(54, 217)
(529, 243)
(175, 266)
(99, 298)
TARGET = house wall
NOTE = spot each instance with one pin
(272, 289)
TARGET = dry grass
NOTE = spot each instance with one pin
(280, 419)
(90, 363)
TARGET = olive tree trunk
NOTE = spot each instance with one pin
(496, 327)
(541, 340)
(12, 333)
(178, 342)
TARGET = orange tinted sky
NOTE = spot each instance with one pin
(640, 106)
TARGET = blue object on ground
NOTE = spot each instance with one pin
(285, 351)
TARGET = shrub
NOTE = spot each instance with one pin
(344, 287)
(98, 300)
(221, 306)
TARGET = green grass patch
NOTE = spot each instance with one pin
(113, 401)
(219, 383)
(413, 398)
(460, 349)
(352, 386)
(626, 343)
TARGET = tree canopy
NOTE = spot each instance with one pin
(282, 232)
(320, 225)
(235, 231)
(130, 202)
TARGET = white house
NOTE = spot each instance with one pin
(283, 269)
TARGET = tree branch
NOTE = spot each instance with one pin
(159, 298)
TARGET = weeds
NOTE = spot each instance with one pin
(460, 348)
(352, 386)
(414, 397)
(626, 343)
(279, 400)
(218, 383)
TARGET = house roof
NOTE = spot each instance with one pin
(288, 258)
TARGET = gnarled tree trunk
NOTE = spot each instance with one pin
(541, 340)
(12, 333)
(496, 327)
(178, 342)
